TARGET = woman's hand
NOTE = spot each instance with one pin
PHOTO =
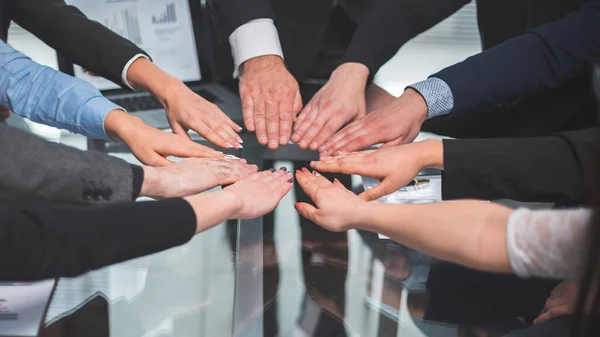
(150, 145)
(193, 176)
(337, 209)
(394, 166)
(259, 193)
(562, 301)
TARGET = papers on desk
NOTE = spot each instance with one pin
(423, 190)
(22, 307)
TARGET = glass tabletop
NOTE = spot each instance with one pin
(280, 275)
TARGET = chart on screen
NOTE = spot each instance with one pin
(162, 28)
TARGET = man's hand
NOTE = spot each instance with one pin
(340, 101)
(193, 176)
(394, 166)
(270, 99)
(185, 109)
(152, 146)
(562, 302)
(397, 123)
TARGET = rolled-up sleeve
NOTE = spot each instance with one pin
(50, 97)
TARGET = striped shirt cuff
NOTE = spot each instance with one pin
(437, 94)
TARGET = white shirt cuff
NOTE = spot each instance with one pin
(255, 38)
(126, 69)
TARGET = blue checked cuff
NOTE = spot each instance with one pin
(437, 95)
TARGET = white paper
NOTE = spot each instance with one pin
(22, 307)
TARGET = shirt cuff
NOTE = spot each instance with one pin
(255, 38)
(437, 95)
(126, 69)
(95, 111)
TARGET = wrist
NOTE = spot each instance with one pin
(118, 123)
(212, 209)
(144, 74)
(361, 218)
(357, 71)
(233, 202)
(430, 153)
(151, 186)
(415, 103)
(263, 62)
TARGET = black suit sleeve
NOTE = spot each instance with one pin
(48, 241)
(391, 24)
(557, 168)
(83, 41)
(230, 14)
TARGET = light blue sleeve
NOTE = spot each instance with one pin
(50, 97)
(437, 95)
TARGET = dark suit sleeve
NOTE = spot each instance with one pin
(391, 24)
(540, 59)
(31, 165)
(230, 14)
(64, 241)
(558, 168)
(83, 41)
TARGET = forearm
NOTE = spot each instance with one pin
(29, 164)
(145, 75)
(387, 27)
(212, 208)
(470, 233)
(64, 241)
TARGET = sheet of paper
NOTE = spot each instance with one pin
(22, 307)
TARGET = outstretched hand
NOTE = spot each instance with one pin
(335, 207)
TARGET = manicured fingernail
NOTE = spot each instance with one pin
(240, 146)
(272, 170)
(230, 156)
(291, 181)
(220, 152)
(283, 168)
(240, 141)
(229, 145)
(316, 173)
(240, 128)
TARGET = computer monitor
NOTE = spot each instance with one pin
(162, 28)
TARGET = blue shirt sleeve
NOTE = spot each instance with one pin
(50, 97)
(437, 95)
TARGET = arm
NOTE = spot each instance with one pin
(475, 234)
(547, 56)
(28, 164)
(85, 42)
(62, 241)
(556, 168)
(50, 97)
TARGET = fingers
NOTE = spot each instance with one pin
(303, 123)
(340, 139)
(307, 183)
(183, 148)
(286, 120)
(227, 134)
(272, 111)
(393, 143)
(330, 128)
(350, 164)
(313, 129)
(552, 313)
(152, 158)
(180, 130)
(306, 210)
(260, 122)
(206, 132)
(248, 112)
(377, 192)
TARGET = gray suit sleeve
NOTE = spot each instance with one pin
(61, 173)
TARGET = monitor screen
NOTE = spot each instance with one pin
(162, 28)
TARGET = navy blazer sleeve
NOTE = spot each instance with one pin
(540, 59)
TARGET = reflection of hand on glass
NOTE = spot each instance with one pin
(192, 176)
(394, 166)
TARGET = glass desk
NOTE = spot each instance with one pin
(282, 276)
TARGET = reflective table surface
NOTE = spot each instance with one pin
(282, 276)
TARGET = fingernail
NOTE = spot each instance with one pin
(316, 173)
(291, 181)
(240, 146)
(220, 152)
(283, 168)
(229, 146)
(322, 148)
(240, 141)
(272, 170)
(240, 128)
(283, 141)
(303, 144)
(313, 146)
(272, 143)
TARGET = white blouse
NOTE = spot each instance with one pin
(548, 243)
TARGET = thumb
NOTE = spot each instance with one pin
(306, 210)
(377, 192)
(395, 142)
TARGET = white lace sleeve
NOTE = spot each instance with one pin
(548, 243)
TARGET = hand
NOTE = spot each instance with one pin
(377, 98)
(188, 111)
(397, 123)
(259, 193)
(270, 99)
(193, 176)
(185, 110)
(4, 113)
(149, 145)
(394, 166)
(562, 302)
(336, 208)
(338, 102)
